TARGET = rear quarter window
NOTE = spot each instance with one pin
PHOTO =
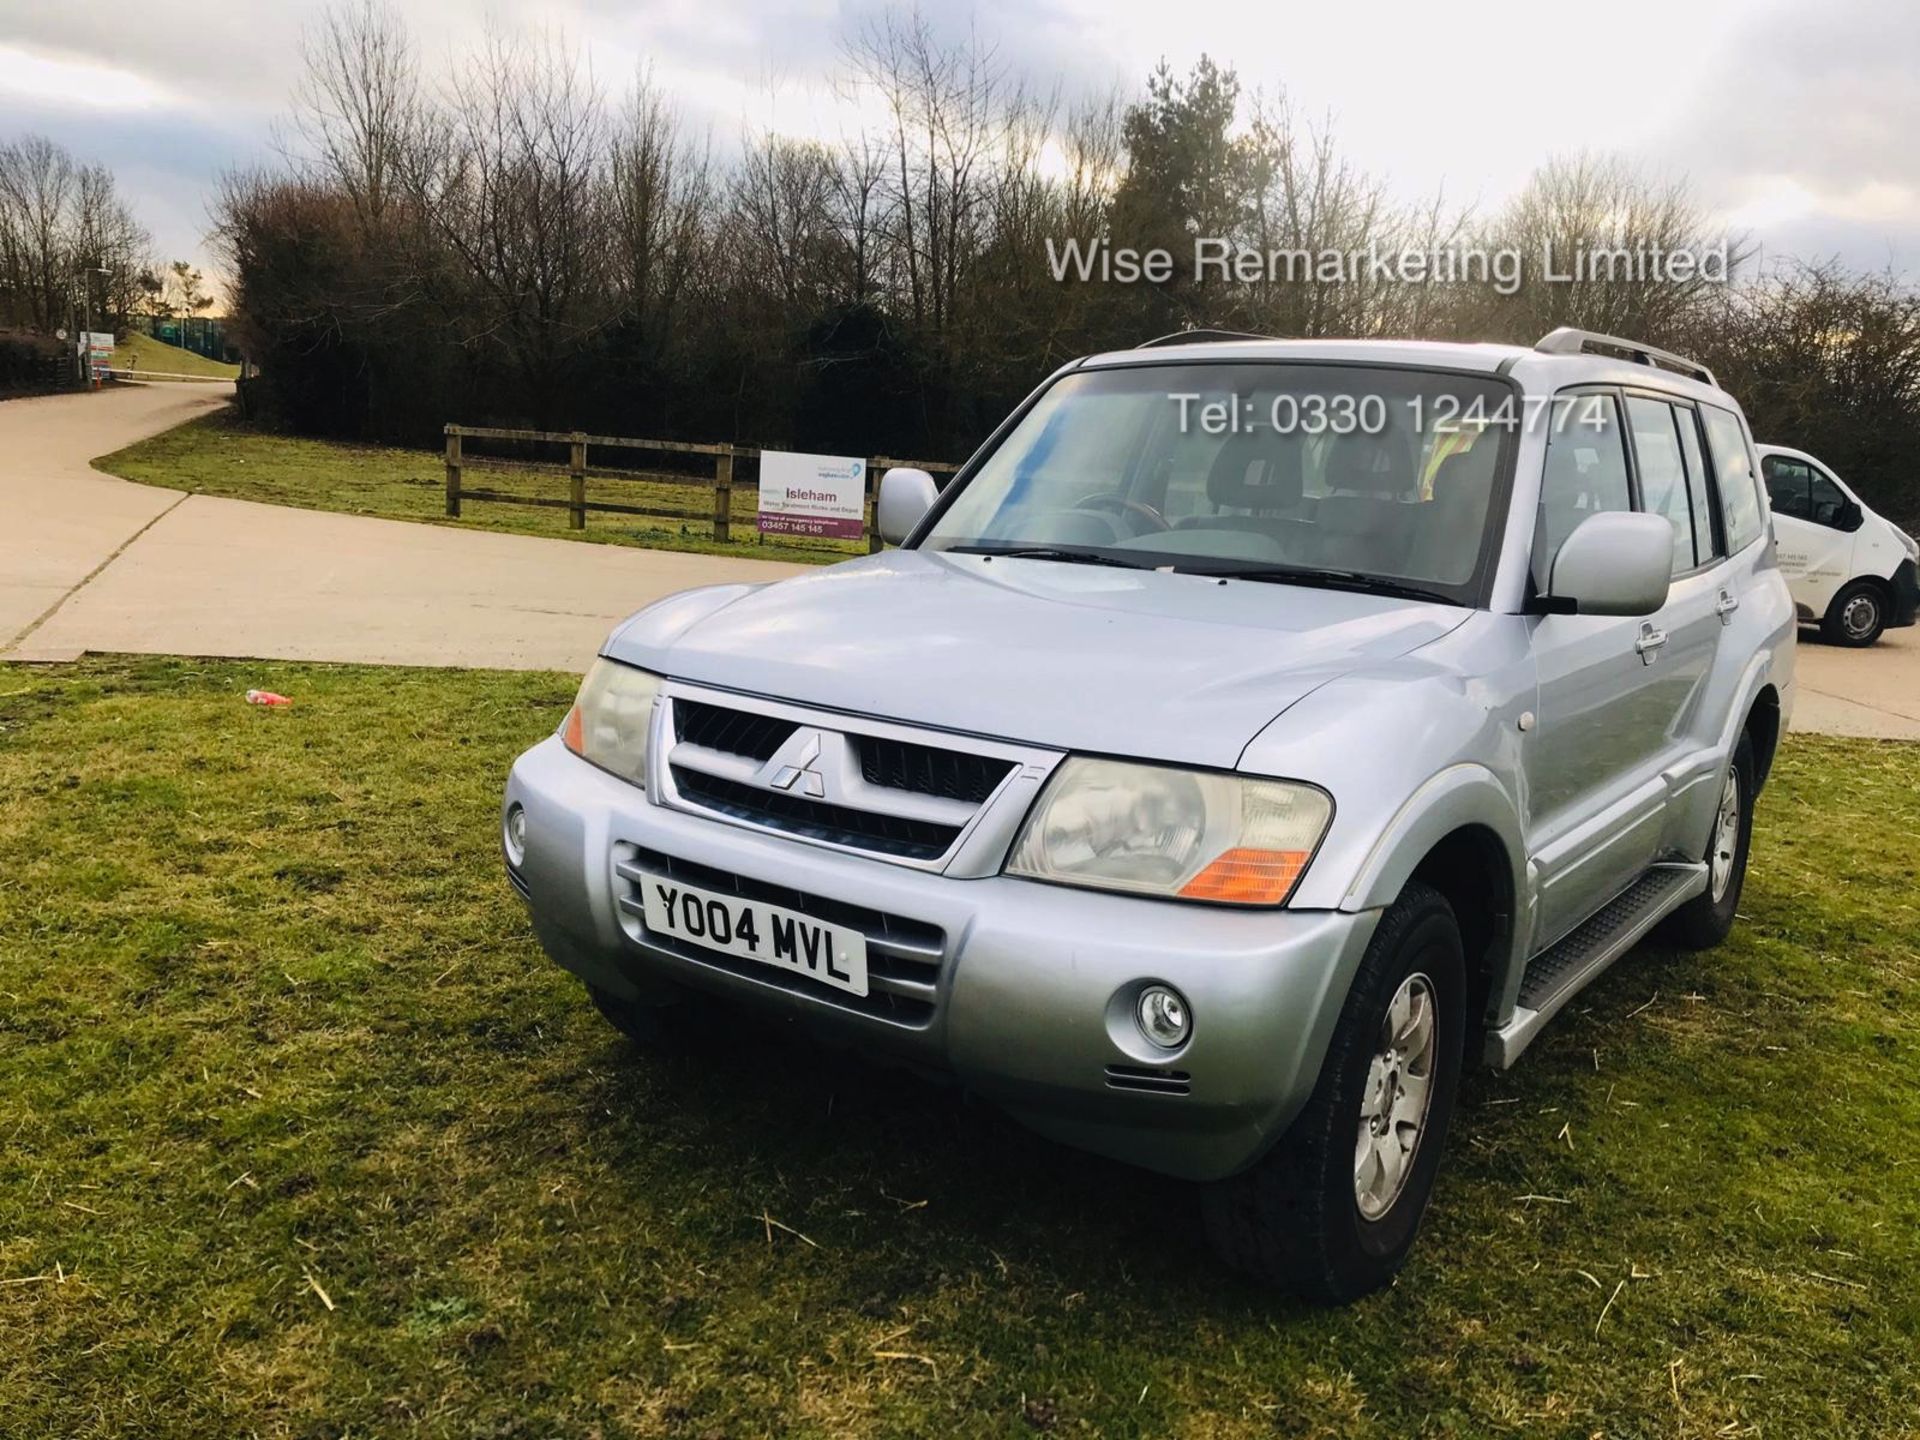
(1733, 472)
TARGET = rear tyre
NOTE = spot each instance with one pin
(1857, 616)
(1704, 921)
(1331, 1212)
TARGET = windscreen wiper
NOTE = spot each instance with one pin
(1047, 552)
(1358, 580)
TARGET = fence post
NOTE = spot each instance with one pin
(875, 468)
(577, 483)
(723, 495)
(453, 471)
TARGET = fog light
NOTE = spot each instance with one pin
(1163, 1017)
(516, 835)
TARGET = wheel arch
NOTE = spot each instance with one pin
(1762, 728)
(1459, 833)
(1471, 868)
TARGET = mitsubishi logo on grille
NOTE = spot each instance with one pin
(796, 765)
(842, 790)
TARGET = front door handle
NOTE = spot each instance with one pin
(1725, 606)
(1649, 643)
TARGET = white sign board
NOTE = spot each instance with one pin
(812, 495)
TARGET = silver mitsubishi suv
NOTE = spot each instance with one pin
(1251, 735)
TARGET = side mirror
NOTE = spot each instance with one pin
(1850, 517)
(905, 495)
(1615, 563)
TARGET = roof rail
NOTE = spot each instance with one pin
(1201, 336)
(1568, 340)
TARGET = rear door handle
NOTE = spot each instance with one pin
(1725, 606)
(1649, 643)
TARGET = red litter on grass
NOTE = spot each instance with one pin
(266, 697)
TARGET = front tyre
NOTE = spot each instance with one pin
(1704, 921)
(678, 1028)
(1856, 617)
(1332, 1210)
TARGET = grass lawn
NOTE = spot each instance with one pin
(304, 1137)
(143, 352)
(219, 455)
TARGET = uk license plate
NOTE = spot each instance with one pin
(785, 939)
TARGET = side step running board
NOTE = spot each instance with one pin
(1563, 970)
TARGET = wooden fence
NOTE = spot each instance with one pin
(721, 485)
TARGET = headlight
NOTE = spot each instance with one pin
(1912, 545)
(610, 719)
(1153, 830)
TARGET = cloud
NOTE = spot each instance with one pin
(1794, 122)
(77, 84)
(166, 163)
(1804, 132)
(227, 56)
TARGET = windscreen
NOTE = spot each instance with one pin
(1392, 473)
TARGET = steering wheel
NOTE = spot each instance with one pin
(1124, 505)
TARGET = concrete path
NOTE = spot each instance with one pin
(1873, 692)
(89, 562)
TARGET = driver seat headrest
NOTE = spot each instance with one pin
(1256, 471)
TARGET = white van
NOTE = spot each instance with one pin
(1851, 571)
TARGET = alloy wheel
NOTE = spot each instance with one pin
(1399, 1090)
(1726, 837)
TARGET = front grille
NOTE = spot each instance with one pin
(928, 770)
(903, 955)
(815, 819)
(738, 732)
(888, 790)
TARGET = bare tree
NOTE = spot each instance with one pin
(1308, 201)
(1095, 153)
(860, 216)
(660, 192)
(109, 247)
(946, 115)
(37, 184)
(357, 110)
(1585, 206)
(67, 239)
(512, 184)
(1827, 360)
(783, 194)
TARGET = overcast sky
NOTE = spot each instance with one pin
(1796, 121)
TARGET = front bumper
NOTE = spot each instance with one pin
(1906, 595)
(1030, 997)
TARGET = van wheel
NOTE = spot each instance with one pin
(1857, 616)
(1704, 921)
(1330, 1212)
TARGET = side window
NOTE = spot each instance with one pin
(1827, 500)
(1733, 472)
(1706, 539)
(1663, 476)
(1789, 486)
(1586, 474)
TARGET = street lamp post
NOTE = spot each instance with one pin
(86, 335)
